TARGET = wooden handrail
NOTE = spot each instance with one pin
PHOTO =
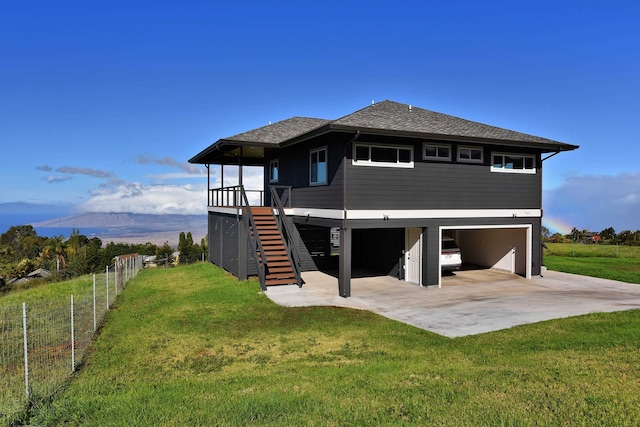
(252, 232)
(285, 227)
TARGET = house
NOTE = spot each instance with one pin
(385, 184)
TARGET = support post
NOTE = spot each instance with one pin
(344, 273)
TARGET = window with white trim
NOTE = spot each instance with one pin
(383, 155)
(318, 166)
(440, 152)
(513, 163)
(470, 154)
(274, 170)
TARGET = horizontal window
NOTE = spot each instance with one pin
(470, 154)
(436, 152)
(381, 155)
(513, 163)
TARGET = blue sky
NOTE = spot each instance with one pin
(102, 103)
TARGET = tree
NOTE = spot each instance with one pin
(544, 231)
(575, 234)
(204, 244)
(608, 234)
(57, 247)
(164, 252)
(188, 251)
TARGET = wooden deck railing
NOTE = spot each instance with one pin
(235, 196)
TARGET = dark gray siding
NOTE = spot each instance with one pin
(441, 185)
(428, 185)
(294, 172)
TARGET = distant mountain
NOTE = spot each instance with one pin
(132, 228)
(125, 220)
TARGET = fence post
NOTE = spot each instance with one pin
(73, 340)
(107, 287)
(95, 323)
(26, 349)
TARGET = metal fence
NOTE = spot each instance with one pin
(42, 344)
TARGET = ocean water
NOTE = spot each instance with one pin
(8, 220)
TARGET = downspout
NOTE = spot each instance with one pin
(541, 256)
(208, 184)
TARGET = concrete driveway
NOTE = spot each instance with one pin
(468, 303)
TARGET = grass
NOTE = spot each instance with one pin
(604, 261)
(192, 346)
(47, 292)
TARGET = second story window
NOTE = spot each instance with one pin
(439, 152)
(318, 166)
(381, 155)
(470, 154)
(513, 163)
(274, 169)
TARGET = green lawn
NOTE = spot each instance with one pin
(605, 261)
(192, 346)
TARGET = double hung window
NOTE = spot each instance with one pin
(318, 166)
(274, 169)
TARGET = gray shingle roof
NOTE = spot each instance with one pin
(278, 132)
(386, 117)
(393, 116)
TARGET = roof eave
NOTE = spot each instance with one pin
(550, 146)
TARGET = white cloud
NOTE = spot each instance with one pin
(148, 199)
(596, 202)
(52, 179)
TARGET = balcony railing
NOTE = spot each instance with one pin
(233, 197)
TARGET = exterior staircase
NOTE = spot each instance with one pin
(279, 268)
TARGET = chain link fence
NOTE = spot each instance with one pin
(42, 344)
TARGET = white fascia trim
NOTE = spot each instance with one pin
(415, 213)
(316, 213)
(225, 210)
(444, 213)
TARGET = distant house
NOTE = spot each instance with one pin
(40, 273)
(591, 237)
(381, 186)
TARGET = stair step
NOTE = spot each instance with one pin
(261, 210)
(275, 282)
(279, 264)
(283, 269)
(280, 276)
(270, 238)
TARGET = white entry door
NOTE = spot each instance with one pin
(413, 255)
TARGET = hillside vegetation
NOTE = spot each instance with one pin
(192, 346)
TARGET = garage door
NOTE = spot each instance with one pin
(506, 248)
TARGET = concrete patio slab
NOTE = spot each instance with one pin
(468, 303)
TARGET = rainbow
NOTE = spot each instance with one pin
(556, 225)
